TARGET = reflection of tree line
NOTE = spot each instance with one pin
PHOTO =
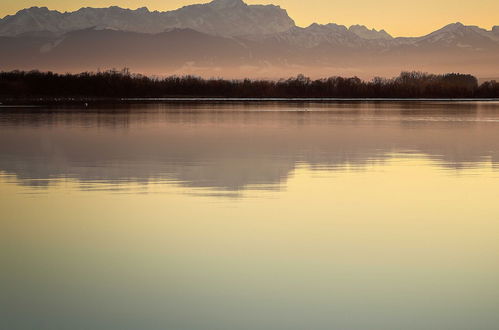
(232, 150)
(19, 84)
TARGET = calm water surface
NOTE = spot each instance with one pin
(246, 216)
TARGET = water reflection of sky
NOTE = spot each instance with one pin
(233, 147)
(363, 216)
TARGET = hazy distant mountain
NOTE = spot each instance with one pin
(457, 35)
(339, 36)
(373, 34)
(93, 49)
(219, 17)
(229, 38)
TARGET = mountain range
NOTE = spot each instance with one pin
(232, 39)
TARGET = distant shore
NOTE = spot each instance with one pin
(92, 102)
(35, 87)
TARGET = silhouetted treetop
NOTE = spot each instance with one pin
(123, 84)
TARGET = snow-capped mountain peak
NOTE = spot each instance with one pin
(372, 34)
(227, 3)
(219, 17)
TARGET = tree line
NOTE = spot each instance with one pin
(123, 84)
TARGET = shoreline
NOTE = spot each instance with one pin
(35, 102)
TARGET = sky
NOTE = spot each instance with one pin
(400, 18)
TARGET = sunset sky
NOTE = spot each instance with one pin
(400, 18)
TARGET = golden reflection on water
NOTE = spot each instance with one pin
(401, 243)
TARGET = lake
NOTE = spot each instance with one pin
(250, 215)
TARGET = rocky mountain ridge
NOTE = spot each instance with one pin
(232, 39)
